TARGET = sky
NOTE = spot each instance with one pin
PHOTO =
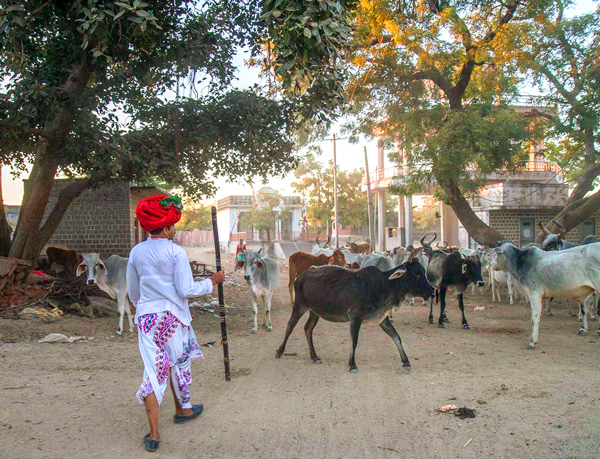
(349, 156)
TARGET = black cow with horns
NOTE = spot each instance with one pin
(367, 295)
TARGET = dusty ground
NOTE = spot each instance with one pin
(77, 400)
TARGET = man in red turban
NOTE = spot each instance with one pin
(159, 283)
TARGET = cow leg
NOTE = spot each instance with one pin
(392, 333)
(535, 300)
(128, 311)
(268, 322)
(121, 308)
(254, 301)
(308, 331)
(584, 308)
(355, 325)
(461, 305)
(442, 307)
(291, 289)
(431, 309)
(509, 285)
(548, 310)
(297, 312)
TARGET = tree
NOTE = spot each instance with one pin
(562, 55)
(263, 217)
(427, 218)
(94, 90)
(195, 218)
(315, 182)
(433, 78)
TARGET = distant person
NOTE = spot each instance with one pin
(239, 251)
(159, 283)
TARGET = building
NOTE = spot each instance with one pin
(230, 219)
(512, 202)
(101, 219)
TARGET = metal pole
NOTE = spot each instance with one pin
(221, 299)
(335, 190)
(369, 199)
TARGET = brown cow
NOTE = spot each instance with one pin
(300, 262)
(360, 248)
(67, 259)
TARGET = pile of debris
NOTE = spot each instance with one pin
(19, 286)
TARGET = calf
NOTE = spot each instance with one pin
(565, 274)
(65, 258)
(452, 271)
(355, 296)
(261, 273)
(359, 248)
(111, 277)
(300, 262)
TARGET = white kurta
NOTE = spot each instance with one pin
(159, 283)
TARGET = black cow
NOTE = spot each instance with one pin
(452, 271)
(340, 295)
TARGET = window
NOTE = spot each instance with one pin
(588, 228)
(527, 230)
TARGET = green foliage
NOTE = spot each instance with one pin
(264, 216)
(315, 182)
(195, 218)
(562, 57)
(90, 79)
(427, 218)
(429, 75)
(304, 47)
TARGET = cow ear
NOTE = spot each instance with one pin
(80, 269)
(398, 273)
(101, 266)
(260, 265)
(238, 265)
(259, 251)
(464, 268)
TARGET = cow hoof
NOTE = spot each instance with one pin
(407, 367)
(278, 354)
(353, 370)
(466, 326)
(318, 361)
(582, 332)
(549, 314)
(580, 319)
(118, 334)
(445, 320)
(431, 321)
(441, 326)
(269, 329)
(572, 315)
(131, 331)
(253, 331)
(530, 345)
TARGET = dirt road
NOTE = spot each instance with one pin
(77, 400)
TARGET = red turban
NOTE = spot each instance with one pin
(158, 211)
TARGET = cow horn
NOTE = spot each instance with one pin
(328, 240)
(317, 240)
(563, 230)
(350, 239)
(422, 240)
(434, 238)
(544, 229)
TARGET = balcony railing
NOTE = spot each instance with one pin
(389, 173)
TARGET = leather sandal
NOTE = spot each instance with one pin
(151, 445)
(197, 411)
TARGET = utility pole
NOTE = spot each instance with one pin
(369, 199)
(335, 207)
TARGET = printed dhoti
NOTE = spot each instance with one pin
(166, 345)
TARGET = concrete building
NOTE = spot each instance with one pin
(512, 202)
(231, 210)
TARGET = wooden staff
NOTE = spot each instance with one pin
(221, 300)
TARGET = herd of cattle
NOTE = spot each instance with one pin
(353, 284)
(345, 285)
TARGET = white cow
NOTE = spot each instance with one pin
(111, 277)
(567, 274)
(261, 272)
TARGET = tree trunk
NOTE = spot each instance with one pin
(476, 228)
(35, 199)
(573, 214)
(5, 229)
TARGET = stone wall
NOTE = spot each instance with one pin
(97, 221)
(507, 222)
